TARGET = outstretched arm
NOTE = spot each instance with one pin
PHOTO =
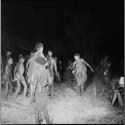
(88, 65)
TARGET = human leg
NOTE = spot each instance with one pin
(24, 85)
(18, 88)
(7, 89)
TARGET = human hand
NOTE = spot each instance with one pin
(92, 70)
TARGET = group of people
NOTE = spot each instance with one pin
(35, 71)
(38, 72)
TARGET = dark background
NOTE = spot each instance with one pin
(91, 27)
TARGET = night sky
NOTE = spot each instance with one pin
(92, 28)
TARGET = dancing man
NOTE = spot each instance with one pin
(18, 76)
(80, 71)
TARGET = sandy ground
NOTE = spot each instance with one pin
(66, 107)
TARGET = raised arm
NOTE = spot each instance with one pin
(88, 65)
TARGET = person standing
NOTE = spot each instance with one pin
(7, 76)
(40, 78)
(19, 76)
(52, 67)
(80, 71)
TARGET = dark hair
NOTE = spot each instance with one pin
(38, 45)
(77, 54)
(20, 56)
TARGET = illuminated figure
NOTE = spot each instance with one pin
(7, 76)
(18, 76)
(39, 78)
(52, 67)
(80, 71)
(38, 75)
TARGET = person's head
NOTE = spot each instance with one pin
(20, 56)
(76, 56)
(31, 54)
(50, 53)
(8, 53)
(10, 61)
(39, 46)
(21, 59)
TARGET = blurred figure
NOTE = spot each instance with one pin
(29, 60)
(121, 82)
(118, 89)
(104, 63)
(59, 69)
(38, 75)
(51, 64)
(80, 71)
(19, 76)
(2, 69)
(107, 72)
(28, 66)
(39, 78)
(69, 75)
(106, 69)
(8, 54)
(7, 76)
(70, 68)
(52, 67)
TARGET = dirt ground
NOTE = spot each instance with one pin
(66, 107)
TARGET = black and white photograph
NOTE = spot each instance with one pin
(62, 62)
